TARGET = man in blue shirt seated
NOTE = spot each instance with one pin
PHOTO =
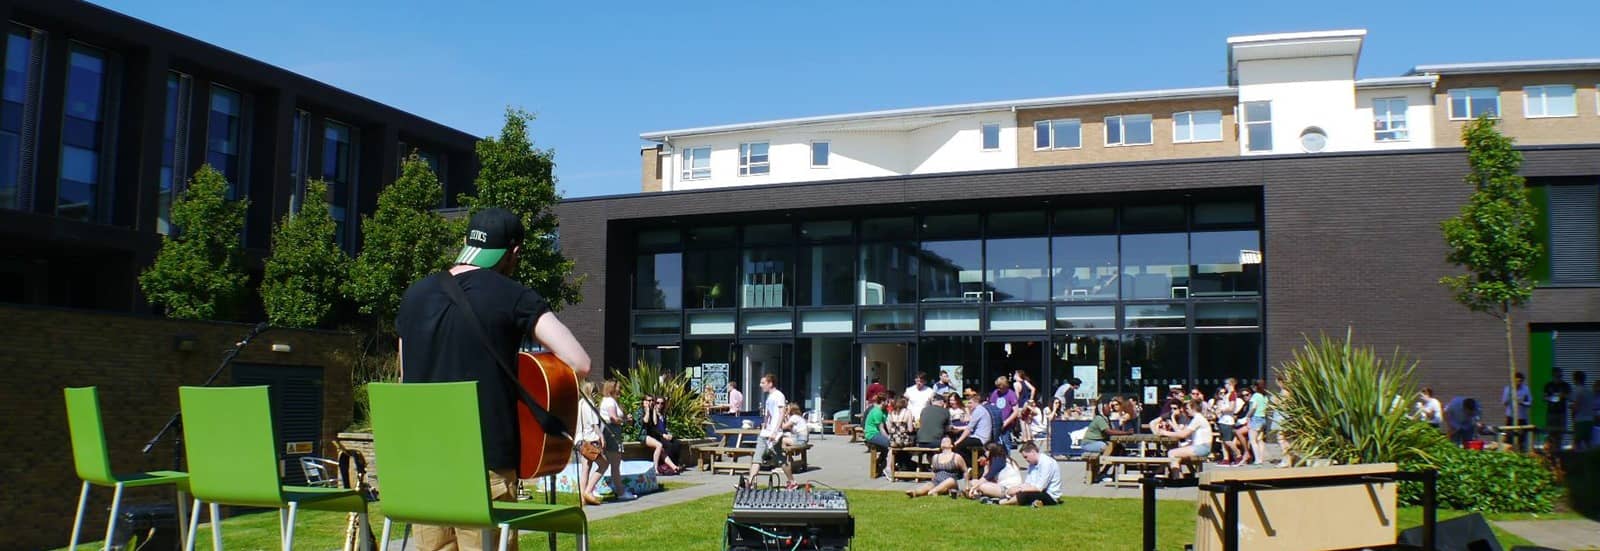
(1461, 420)
(1042, 485)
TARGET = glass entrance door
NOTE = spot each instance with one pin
(886, 363)
(1007, 358)
(763, 358)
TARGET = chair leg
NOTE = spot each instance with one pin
(288, 533)
(194, 526)
(363, 527)
(505, 536)
(216, 527)
(111, 523)
(384, 545)
(183, 515)
(77, 522)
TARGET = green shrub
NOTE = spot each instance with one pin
(1583, 483)
(1347, 404)
(1487, 481)
(685, 417)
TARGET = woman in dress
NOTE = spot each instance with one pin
(948, 468)
(656, 435)
(901, 429)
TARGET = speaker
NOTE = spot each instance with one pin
(1468, 533)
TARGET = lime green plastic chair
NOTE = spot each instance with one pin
(93, 461)
(431, 440)
(233, 460)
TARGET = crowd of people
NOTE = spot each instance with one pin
(1462, 418)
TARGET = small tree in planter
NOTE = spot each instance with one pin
(1350, 405)
(686, 418)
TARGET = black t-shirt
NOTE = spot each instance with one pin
(437, 347)
(1556, 394)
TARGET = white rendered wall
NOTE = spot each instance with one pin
(1305, 92)
(1419, 116)
(940, 145)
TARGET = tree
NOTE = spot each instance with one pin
(1494, 238)
(516, 176)
(198, 274)
(301, 284)
(403, 241)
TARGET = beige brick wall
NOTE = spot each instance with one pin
(1094, 148)
(1584, 128)
(135, 363)
(650, 169)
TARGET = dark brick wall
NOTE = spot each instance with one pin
(1352, 240)
(135, 363)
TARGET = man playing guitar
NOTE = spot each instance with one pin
(437, 346)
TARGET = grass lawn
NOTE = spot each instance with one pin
(884, 520)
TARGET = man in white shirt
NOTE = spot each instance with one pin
(918, 395)
(771, 437)
(1067, 392)
(735, 399)
(1042, 485)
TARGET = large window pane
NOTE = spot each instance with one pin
(826, 231)
(1227, 314)
(177, 91)
(826, 275)
(1086, 317)
(876, 229)
(1085, 267)
(667, 323)
(223, 135)
(823, 369)
(1017, 318)
(1225, 263)
(768, 322)
(888, 274)
(768, 234)
(895, 319)
(1154, 360)
(958, 356)
(767, 282)
(16, 105)
(80, 189)
(827, 321)
(711, 323)
(950, 319)
(667, 358)
(709, 277)
(950, 226)
(1145, 316)
(1016, 269)
(1090, 358)
(658, 281)
(338, 170)
(1222, 355)
(952, 271)
(1155, 265)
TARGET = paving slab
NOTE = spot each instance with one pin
(1557, 534)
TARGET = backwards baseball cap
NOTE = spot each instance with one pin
(490, 234)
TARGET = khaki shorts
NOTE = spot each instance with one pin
(502, 487)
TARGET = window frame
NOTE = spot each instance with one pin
(1404, 133)
(827, 158)
(1050, 126)
(983, 138)
(686, 170)
(1544, 101)
(102, 209)
(240, 189)
(1122, 130)
(1246, 122)
(1450, 101)
(748, 168)
(1191, 125)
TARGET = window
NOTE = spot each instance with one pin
(753, 159)
(696, 163)
(1574, 247)
(1197, 126)
(1129, 130)
(223, 137)
(174, 148)
(1558, 100)
(1471, 103)
(1058, 134)
(991, 136)
(338, 170)
(1389, 119)
(297, 159)
(84, 182)
(1258, 125)
(19, 109)
(819, 154)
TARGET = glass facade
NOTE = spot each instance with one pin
(18, 103)
(1128, 298)
(174, 125)
(85, 184)
(224, 149)
(338, 170)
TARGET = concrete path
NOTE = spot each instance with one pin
(1557, 534)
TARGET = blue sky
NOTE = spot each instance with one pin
(598, 74)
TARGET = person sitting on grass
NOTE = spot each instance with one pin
(1042, 485)
(948, 468)
(1195, 437)
(999, 475)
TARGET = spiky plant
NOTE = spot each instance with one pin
(1350, 405)
(685, 417)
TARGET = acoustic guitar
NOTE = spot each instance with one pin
(555, 388)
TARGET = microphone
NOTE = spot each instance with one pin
(257, 330)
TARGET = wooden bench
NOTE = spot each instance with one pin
(921, 470)
(1190, 465)
(875, 460)
(857, 434)
(1091, 467)
(730, 459)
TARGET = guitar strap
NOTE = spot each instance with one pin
(546, 421)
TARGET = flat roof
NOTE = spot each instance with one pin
(955, 109)
(1390, 82)
(1537, 65)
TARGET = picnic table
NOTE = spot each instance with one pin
(1147, 445)
(1150, 456)
(738, 444)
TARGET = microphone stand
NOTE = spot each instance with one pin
(176, 421)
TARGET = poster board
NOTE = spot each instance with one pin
(1088, 382)
(955, 376)
(715, 376)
